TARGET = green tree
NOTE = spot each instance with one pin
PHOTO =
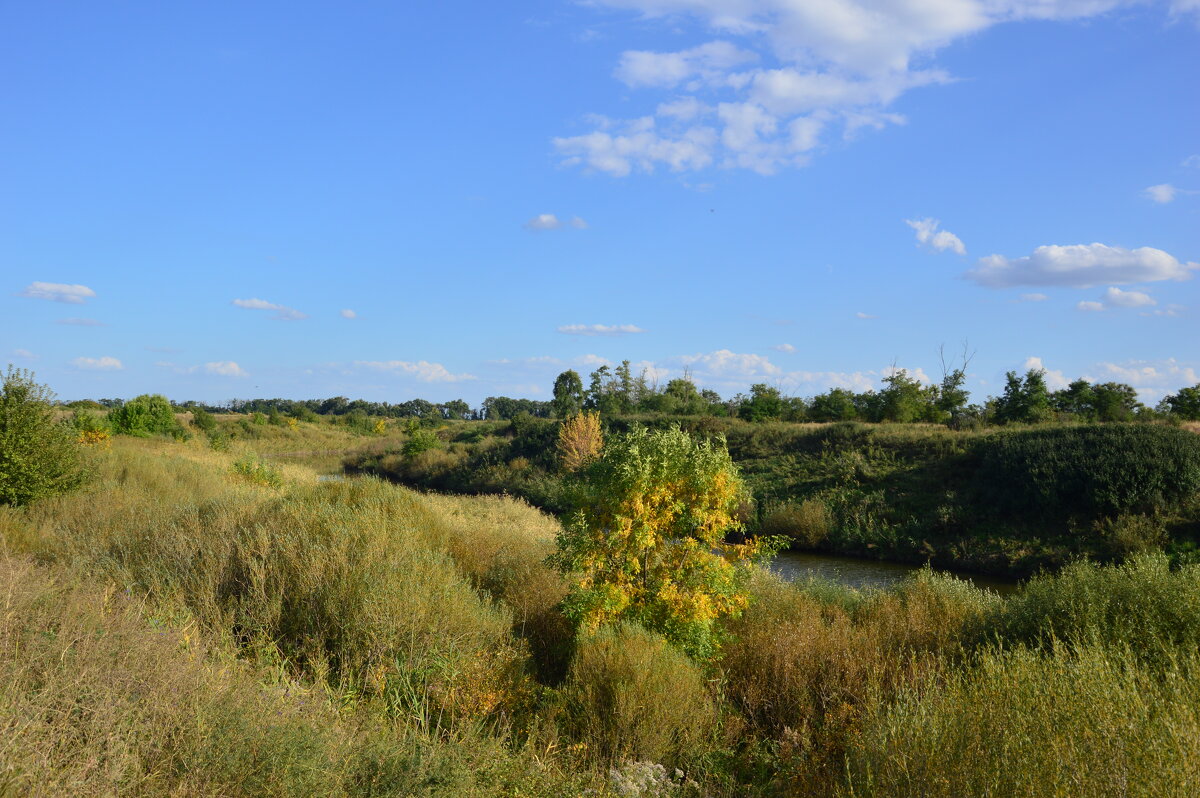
(568, 394)
(903, 399)
(1185, 404)
(1025, 401)
(38, 457)
(765, 404)
(148, 414)
(647, 543)
(836, 405)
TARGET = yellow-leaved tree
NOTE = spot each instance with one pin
(648, 541)
(580, 440)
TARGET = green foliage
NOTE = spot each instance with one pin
(38, 457)
(1185, 404)
(418, 440)
(257, 471)
(144, 415)
(1142, 604)
(1025, 401)
(568, 394)
(1089, 471)
(765, 404)
(631, 695)
(203, 420)
(647, 543)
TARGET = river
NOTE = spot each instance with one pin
(866, 574)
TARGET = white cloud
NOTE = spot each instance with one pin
(1055, 379)
(1192, 161)
(726, 364)
(24, 354)
(225, 368)
(1080, 266)
(861, 315)
(639, 68)
(347, 313)
(593, 360)
(1128, 299)
(81, 322)
(1166, 374)
(281, 311)
(600, 329)
(105, 363)
(59, 292)
(939, 240)
(784, 348)
(548, 221)
(1034, 297)
(1170, 311)
(836, 63)
(1090, 307)
(1162, 193)
(421, 370)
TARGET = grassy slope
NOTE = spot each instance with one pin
(180, 629)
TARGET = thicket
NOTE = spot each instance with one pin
(38, 455)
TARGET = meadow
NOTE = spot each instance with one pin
(209, 615)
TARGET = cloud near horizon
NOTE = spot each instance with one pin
(422, 370)
(1080, 266)
(105, 363)
(59, 292)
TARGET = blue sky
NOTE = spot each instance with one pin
(460, 199)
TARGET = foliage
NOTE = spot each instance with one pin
(568, 394)
(1090, 471)
(257, 471)
(418, 440)
(631, 695)
(580, 440)
(1025, 400)
(765, 404)
(38, 457)
(203, 420)
(648, 541)
(144, 415)
(1185, 404)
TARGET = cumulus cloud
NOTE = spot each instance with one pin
(225, 368)
(548, 221)
(784, 348)
(347, 313)
(939, 240)
(600, 329)
(1165, 374)
(1128, 299)
(1080, 266)
(1055, 379)
(861, 315)
(105, 363)
(779, 77)
(726, 364)
(75, 322)
(281, 311)
(1162, 193)
(59, 292)
(1034, 297)
(1089, 306)
(422, 370)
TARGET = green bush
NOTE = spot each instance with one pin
(145, 415)
(1142, 604)
(632, 695)
(38, 457)
(258, 471)
(203, 420)
(1089, 471)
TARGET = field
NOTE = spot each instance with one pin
(200, 621)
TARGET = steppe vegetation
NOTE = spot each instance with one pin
(198, 612)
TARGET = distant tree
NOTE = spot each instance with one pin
(1115, 401)
(568, 394)
(1185, 404)
(765, 403)
(148, 414)
(38, 457)
(836, 405)
(580, 440)
(456, 409)
(952, 395)
(903, 400)
(1077, 398)
(1025, 401)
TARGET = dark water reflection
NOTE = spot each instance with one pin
(867, 574)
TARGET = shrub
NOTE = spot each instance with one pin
(144, 415)
(38, 457)
(1091, 722)
(203, 420)
(258, 471)
(1142, 604)
(648, 542)
(807, 522)
(1089, 471)
(580, 440)
(631, 695)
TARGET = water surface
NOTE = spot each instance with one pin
(867, 574)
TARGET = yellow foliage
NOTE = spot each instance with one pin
(580, 440)
(95, 437)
